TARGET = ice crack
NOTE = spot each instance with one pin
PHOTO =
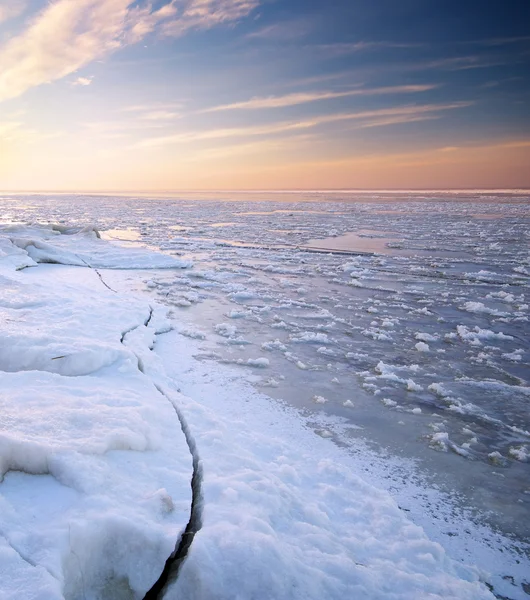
(177, 558)
(97, 273)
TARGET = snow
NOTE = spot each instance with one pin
(225, 330)
(81, 247)
(310, 337)
(445, 258)
(96, 469)
(412, 386)
(280, 505)
(520, 453)
(257, 362)
(479, 307)
(319, 400)
(422, 347)
(94, 466)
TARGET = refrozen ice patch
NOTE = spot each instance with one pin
(480, 307)
(520, 453)
(412, 386)
(496, 458)
(388, 402)
(477, 335)
(274, 345)
(243, 294)
(238, 314)
(515, 356)
(261, 363)
(440, 441)
(438, 389)
(310, 337)
(422, 347)
(377, 334)
(191, 332)
(326, 351)
(388, 372)
(319, 400)
(426, 337)
(225, 330)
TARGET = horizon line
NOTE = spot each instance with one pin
(269, 190)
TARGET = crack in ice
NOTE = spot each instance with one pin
(178, 556)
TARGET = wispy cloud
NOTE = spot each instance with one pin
(463, 63)
(159, 115)
(205, 14)
(342, 49)
(158, 111)
(398, 120)
(123, 127)
(83, 81)
(284, 31)
(305, 97)
(411, 112)
(63, 38)
(68, 34)
(157, 106)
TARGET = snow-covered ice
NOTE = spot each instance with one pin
(95, 470)
(435, 329)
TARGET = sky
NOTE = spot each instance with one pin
(122, 95)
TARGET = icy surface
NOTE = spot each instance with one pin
(94, 469)
(419, 350)
(283, 517)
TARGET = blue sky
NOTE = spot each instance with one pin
(113, 94)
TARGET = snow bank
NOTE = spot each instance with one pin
(81, 247)
(94, 468)
(282, 517)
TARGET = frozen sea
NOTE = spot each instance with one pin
(396, 325)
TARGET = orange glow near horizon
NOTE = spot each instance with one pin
(231, 94)
(496, 166)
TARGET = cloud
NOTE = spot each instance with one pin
(158, 106)
(392, 116)
(12, 10)
(160, 115)
(398, 120)
(84, 81)
(123, 127)
(205, 14)
(285, 31)
(464, 63)
(69, 34)
(344, 48)
(304, 97)
(63, 38)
